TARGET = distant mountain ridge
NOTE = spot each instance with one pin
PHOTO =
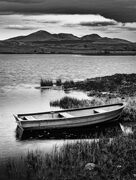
(46, 36)
(43, 42)
(91, 37)
(66, 36)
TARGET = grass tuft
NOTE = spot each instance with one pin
(69, 84)
(44, 82)
(68, 102)
(58, 82)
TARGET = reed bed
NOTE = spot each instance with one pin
(112, 159)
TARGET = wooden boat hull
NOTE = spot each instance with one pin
(71, 121)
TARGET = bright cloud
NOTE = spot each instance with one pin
(21, 27)
(71, 19)
(14, 25)
(130, 26)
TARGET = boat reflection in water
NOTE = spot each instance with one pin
(108, 130)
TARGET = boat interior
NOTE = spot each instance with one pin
(68, 113)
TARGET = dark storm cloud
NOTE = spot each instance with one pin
(120, 10)
(98, 24)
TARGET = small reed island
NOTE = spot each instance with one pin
(102, 159)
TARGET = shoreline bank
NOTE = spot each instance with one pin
(111, 53)
(111, 160)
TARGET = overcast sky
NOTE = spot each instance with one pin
(111, 18)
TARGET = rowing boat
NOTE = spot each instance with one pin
(70, 118)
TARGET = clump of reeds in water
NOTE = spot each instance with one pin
(69, 84)
(58, 82)
(44, 82)
(69, 102)
(111, 159)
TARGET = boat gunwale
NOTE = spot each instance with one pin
(122, 105)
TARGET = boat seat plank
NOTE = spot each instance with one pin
(65, 114)
(30, 118)
(99, 111)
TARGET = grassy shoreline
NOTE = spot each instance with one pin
(104, 159)
(117, 85)
(104, 90)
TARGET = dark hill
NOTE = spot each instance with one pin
(63, 43)
(46, 36)
(91, 37)
(36, 36)
(65, 36)
(106, 40)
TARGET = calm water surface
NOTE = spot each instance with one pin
(20, 74)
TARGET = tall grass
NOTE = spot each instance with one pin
(114, 159)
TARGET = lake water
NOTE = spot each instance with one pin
(20, 74)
